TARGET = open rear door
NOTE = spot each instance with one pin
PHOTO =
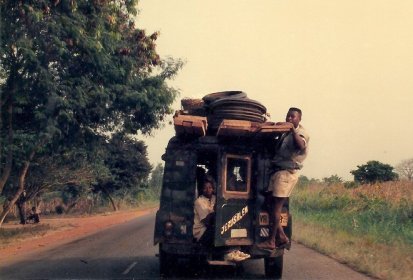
(234, 210)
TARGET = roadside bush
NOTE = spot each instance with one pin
(351, 184)
(369, 227)
(59, 209)
(383, 212)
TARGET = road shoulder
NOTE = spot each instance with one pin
(66, 230)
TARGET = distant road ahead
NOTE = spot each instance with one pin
(127, 251)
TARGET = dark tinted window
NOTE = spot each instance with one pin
(237, 174)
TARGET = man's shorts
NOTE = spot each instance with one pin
(282, 183)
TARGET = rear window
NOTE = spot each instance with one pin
(237, 175)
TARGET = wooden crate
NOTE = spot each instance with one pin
(272, 129)
(236, 128)
(190, 125)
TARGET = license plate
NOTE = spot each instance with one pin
(264, 219)
(238, 233)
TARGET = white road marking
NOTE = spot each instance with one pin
(129, 268)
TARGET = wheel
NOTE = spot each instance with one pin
(274, 267)
(165, 263)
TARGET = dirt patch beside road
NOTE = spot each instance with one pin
(63, 230)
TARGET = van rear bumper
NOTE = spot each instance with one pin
(184, 249)
(196, 249)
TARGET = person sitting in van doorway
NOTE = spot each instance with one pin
(287, 161)
(204, 217)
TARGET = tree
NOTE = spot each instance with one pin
(374, 171)
(50, 173)
(72, 193)
(405, 169)
(304, 181)
(332, 180)
(156, 179)
(128, 165)
(74, 69)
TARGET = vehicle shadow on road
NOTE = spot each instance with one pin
(246, 270)
(139, 267)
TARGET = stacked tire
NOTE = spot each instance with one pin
(234, 105)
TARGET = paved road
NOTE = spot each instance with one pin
(127, 251)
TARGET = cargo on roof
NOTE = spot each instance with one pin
(226, 113)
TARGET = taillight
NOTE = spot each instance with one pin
(168, 228)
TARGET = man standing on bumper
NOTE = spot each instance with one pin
(287, 161)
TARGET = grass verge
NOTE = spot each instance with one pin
(369, 228)
(10, 235)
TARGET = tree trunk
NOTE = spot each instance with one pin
(5, 174)
(20, 190)
(70, 207)
(91, 205)
(115, 208)
(21, 205)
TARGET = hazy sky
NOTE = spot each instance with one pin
(347, 64)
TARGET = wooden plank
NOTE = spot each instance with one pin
(178, 118)
(190, 125)
(235, 128)
(272, 129)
